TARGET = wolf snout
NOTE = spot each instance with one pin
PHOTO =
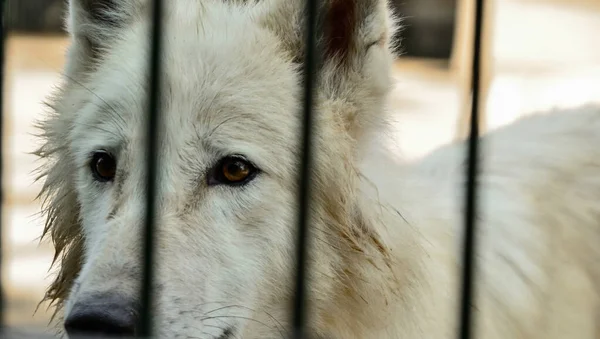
(102, 315)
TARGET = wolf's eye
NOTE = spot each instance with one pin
(103, 166)
(232, 170)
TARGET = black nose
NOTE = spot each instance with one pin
(105, 315)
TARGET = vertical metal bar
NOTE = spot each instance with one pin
(152, 150)
(299, 320)
(2, 58)
(468, 268)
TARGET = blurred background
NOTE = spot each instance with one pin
(537, 54)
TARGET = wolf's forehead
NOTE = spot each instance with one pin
(220, 67)
(224, 69)
(236, 76)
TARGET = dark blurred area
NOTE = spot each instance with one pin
(428, 27)
(427, 33)
(36, 16)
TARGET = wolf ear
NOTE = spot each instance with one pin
(346, 28)
(351, 27)
(354, 39)
(93, 24)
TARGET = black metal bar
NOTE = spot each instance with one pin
(468, 268)
(299, 320)
(153, 135)
(2, 58)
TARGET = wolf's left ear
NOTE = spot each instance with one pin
(94, 24)
(354, 38)
(346, 28)
(349, 28)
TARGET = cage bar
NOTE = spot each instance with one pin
(468, 267)
(303, 241)
(152, 151)
(2, 74)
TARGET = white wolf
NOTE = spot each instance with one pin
(385, 254)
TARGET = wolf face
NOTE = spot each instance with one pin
(230, 110)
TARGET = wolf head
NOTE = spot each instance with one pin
(231, 112)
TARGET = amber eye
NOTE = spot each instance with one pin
(232, 170)
(103, 166)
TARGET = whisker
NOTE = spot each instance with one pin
(222, 328)
(279, 325)
(96, 127)
(111, 107)
(240, 317)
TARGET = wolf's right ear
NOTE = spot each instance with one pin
(93, 24)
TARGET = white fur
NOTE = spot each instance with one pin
(385, 253)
